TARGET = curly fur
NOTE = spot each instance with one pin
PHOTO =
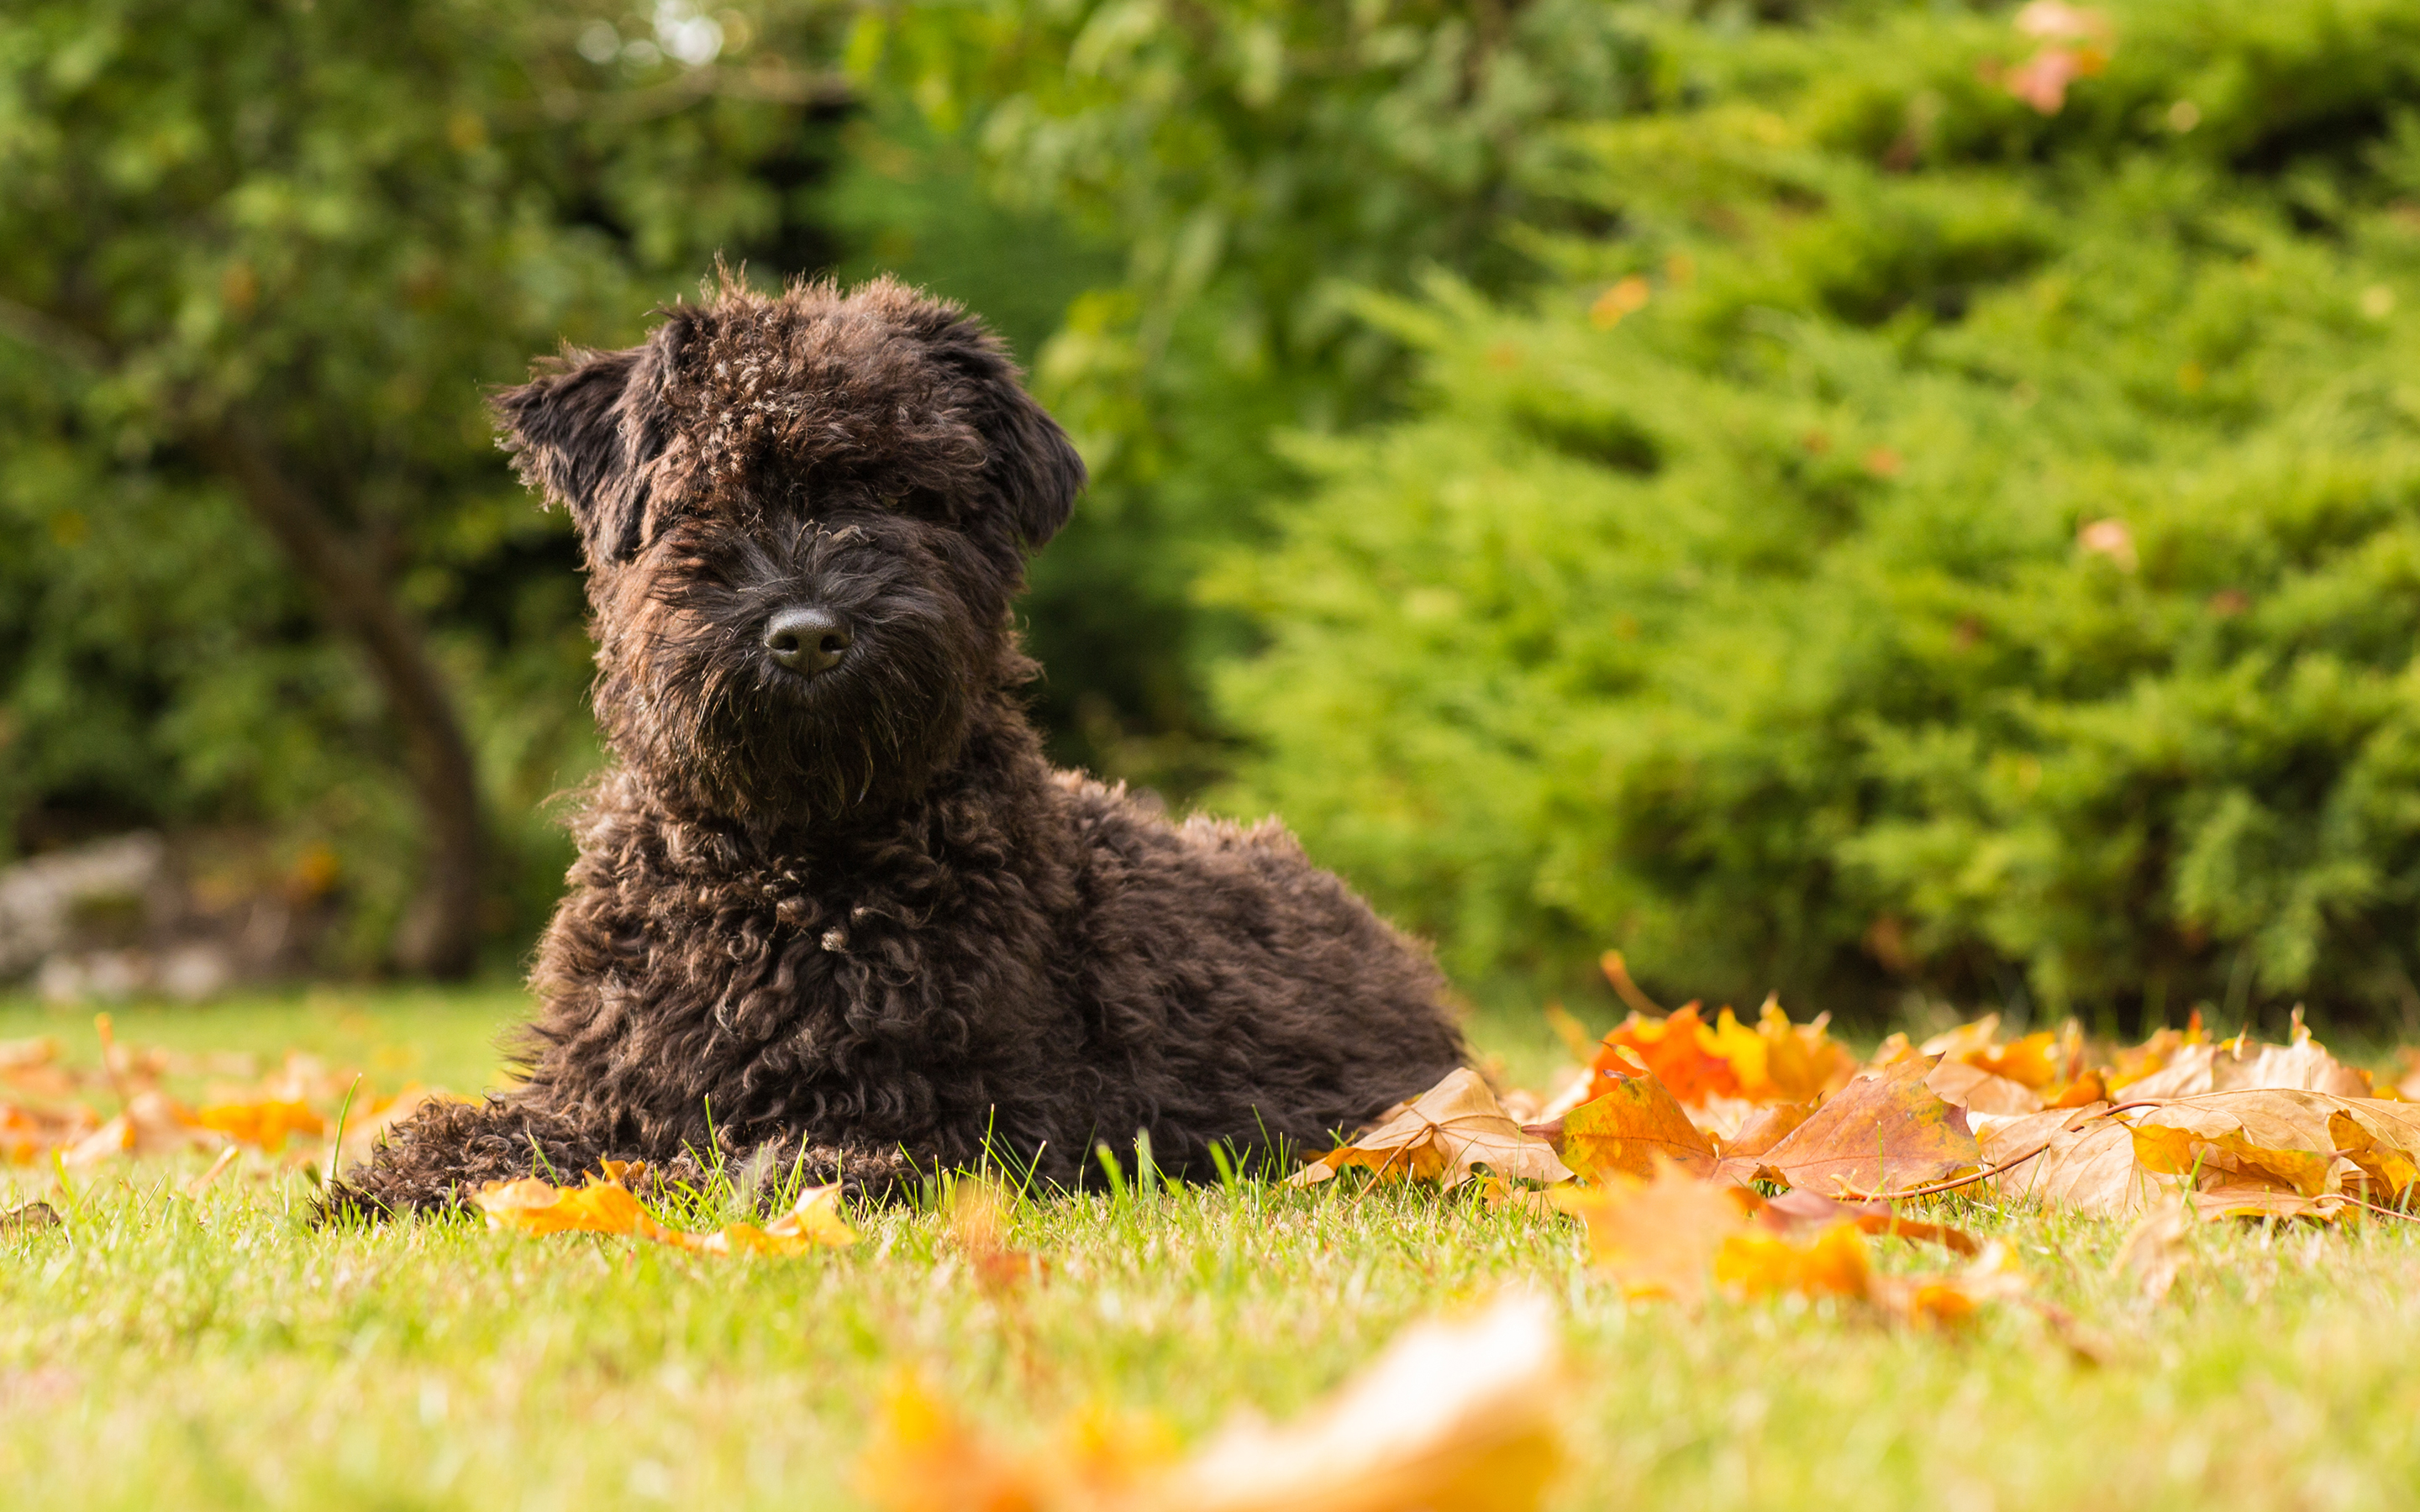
(857, 921)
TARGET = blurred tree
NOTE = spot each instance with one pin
(258, 263)
(1248, 163)
(1961, 535)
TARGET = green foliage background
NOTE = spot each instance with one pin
(1975, 556)
(1763, 632)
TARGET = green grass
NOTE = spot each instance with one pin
(161, 1352)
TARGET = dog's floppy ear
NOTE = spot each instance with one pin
(586, 433)
(1032, 464)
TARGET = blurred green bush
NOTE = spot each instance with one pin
(263, 565)
(1942, 540)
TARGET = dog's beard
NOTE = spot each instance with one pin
(754, 741)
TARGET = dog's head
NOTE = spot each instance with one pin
(804, 517)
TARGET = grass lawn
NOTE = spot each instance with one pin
(159, 1353)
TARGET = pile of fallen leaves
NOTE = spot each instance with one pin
(1758, 1159)
(75, 1119)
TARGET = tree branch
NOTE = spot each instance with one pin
(444, 938)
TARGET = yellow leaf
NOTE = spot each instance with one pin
(533, 1206)
(265, 1125)
(922, 1458)
(1832, 1264)
(1453, 1417)
(813, 1223)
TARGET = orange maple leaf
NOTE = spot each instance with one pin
(605, 1206)
(1883, 1133)
(1626, 1130)
(1676, 1050)
(265, 1124)
(1657, 1238)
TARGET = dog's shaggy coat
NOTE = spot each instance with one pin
(853, 918)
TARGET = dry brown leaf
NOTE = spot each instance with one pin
(2237, 1065)
(1964, 1040)
(2157, 1249)
(1965, 1085)
(1628, 1128)
(2255, 1199)
(2087, 1167)
(1885, 1133)
(1743, 1155)
(1657, 1238)
(1448, 1130)
(32, 1218)
(2272, 1136)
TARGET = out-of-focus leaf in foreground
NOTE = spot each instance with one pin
(1454, 1417)
(1656, 1237)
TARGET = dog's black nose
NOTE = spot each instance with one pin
(807, 639)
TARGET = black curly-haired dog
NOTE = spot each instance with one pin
(832, 907)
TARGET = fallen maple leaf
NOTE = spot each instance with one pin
(1442, 1136)
(2303, 1063)
(2084, 1163)
(1628, 1128)
(32, 1218)
(814, 1221)
(605, 1206)
(1743, 1155)
(1831, 1264)
(1452, 1417)
(265, 1124)
(1880, 1133)
(923, 1457)
(534, 1205)
(1798, 1210)
(2157, 1250)
(1677, 1050)
(1966, 1084)
(1657, 1238)
(2272, 1136)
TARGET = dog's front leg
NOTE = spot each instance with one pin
(437, 1158)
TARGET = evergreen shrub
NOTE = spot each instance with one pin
(1958, 532)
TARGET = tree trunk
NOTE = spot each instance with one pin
(440, 934)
